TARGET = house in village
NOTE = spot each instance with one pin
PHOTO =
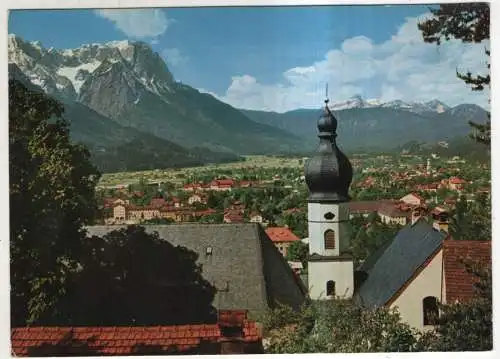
(414, 271)
(365, 208)
(453, 183)
(222, 185)
(191, 187)
(394, 214)
(413, 199)
(282, 237)
(233, 216)
(256, 217)
(197, 198)
(431, 187)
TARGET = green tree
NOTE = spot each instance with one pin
(298, 251)
(469, 23)
(471, 220)
(337, 326)
(52, 184)
(130, 277)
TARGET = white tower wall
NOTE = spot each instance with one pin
(334, 266)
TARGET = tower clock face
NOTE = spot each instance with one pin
(329, 216)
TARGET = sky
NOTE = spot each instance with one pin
(279, 58)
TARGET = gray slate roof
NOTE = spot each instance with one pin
(395, 266)
(369, 262)
(245, 266)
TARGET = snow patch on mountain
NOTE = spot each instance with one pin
(71, 72)
(357, 101)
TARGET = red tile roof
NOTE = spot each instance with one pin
(223, 182)
(367, 206)
(233, 216)
(205, 212)
(456, 180)
(392, 211)
(439, 210)
(32, 341)
(281, 234)
(459, 283)
(157, 202)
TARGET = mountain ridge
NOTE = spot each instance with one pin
(131, 84)
(128, 84)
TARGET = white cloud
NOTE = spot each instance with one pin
(174, 56)
(403, 67)
(138, 23)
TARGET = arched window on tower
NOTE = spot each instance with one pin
(431, 310)
(329, 239)
(330, 288)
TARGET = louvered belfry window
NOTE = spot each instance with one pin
(329, 239)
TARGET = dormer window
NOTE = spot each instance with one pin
(208, 251)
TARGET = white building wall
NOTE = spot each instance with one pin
(427, 284)
(320, 272)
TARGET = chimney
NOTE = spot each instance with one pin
(231, 324)
(440, 219)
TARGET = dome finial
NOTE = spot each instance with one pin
(328, 173)
(326, 94)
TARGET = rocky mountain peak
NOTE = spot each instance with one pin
(63, 72)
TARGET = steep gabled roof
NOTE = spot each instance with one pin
(459, 283)
(411, 247)
(244, 265)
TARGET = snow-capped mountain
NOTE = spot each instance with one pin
(434, 106)
(129, 83)
(76, 74)
(354, 102)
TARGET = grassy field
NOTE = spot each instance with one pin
(176, 175)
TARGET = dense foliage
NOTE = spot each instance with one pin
(368, 235)
(472, 220)
(298, 251)
(336, 326)
(52, 185)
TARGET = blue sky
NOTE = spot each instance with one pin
(274, 58)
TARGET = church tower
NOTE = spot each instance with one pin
(328, 175)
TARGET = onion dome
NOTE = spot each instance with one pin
(328, 173)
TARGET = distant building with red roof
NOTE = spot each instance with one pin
(282, 237)
(222, 185)
(158, 202)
